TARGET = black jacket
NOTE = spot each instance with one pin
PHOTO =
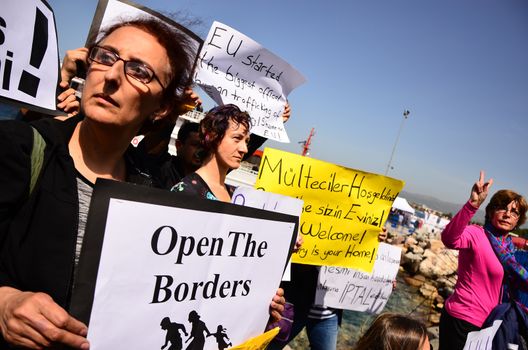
(38, 233)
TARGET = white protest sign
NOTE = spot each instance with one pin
(233, 68)
(483, 339)
(269, 201)
(174, 274)
(351, 289)
(250, 197)
(29, 58)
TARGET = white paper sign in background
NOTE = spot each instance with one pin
(223, 268)
(351, 289)
(250, 197)
(233, 68)
(279, 203)
(483, 339)
(29, 58)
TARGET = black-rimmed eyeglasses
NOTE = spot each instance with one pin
(134, 69)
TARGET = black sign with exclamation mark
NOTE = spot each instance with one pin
(28, 82)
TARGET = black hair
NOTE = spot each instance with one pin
(186, 129)
(214, 126)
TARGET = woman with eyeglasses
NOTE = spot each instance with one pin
(487, 269)
(136, 74)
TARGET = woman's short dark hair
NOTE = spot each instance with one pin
(501, 199)
(214, 126)
(179, 52)
(393, 331)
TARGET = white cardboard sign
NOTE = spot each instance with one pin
(197, 267)
(483, 339)
(269, 201)
(233, 68)
(29, 58)
(351, 289)
(250, 197)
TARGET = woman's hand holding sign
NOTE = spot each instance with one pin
(277, 305)
(35, 321)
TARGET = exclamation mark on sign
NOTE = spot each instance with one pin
(28, 82)
(7, 71)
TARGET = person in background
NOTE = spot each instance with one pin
(224, 135)
(134, 75)
(485, 261)
(167, 170)
(157, 137)
(391, 331)
(187, 159)
(520, 242)
(152, 153)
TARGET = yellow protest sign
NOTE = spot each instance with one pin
(344, 209)
(259, 342)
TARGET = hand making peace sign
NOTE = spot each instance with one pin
(479, 191)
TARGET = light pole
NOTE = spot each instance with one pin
(405, 115)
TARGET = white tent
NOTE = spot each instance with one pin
(402, 204)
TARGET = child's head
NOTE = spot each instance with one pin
(393, 331)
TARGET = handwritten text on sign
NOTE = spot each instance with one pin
(344, 209)
(351, 289)
(233, 68)
(29, 59)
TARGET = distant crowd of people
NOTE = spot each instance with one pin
(137, 82)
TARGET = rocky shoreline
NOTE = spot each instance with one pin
(429, 266)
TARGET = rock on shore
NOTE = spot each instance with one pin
(430, 266)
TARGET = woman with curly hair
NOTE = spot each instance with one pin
(224, 135)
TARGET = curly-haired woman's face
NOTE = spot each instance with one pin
(233, 146)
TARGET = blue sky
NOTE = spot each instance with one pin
(459, 67)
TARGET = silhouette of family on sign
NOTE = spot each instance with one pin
(196, 336)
